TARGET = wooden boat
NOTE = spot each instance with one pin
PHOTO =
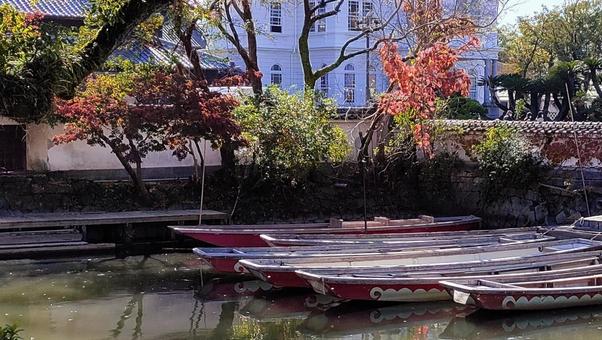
(249, 235)
(225, 260)
(530, 293)
(421, 287)
(281, 272)
(286, 240)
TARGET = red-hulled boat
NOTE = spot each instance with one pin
(530, 293)
(249, 235)
(281, 272)
(225, 260)
(420, 287)
(288, 240)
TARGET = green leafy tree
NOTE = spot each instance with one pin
(557, 52)
(290, 134)
(39, 60)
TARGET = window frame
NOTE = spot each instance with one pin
(320, 25)
(276, 75)
(349, 84)
(275, 17)
(353, 17)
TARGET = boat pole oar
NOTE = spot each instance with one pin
(579, 161)
(363, 165)
(204, 158)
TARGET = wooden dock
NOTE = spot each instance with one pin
(50, 235)
(50, 220)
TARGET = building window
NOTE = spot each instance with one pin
(366, 8)
(349, 84)
(353, 16)
(276, 75)
(321, 24)
(276, 17)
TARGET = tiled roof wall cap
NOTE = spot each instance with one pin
(582, 128)
(53, 8)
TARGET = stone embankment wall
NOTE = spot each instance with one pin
(559, 196)
(323, 196)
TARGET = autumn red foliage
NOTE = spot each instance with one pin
(429, 74)
(147, 112)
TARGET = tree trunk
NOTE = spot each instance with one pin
(252, 65)
(534, 105)
(511, 102)
(193, 55)
(228, 158)
(546, 106)
(135, 175)
(304, 53)
(563, 107)
(596, 81)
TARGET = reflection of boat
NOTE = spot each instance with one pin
(353, 318)
(286, 305)
(580, 288)
(416, 287)
(249, 235)
(440, 238)
(225, 260)
(281, 272)
(487, 325)
(217, 290)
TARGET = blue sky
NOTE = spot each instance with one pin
(518, 8)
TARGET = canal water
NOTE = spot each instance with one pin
(161, 297)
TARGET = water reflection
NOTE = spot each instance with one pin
(161, 297)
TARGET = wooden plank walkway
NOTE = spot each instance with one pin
(46, 220)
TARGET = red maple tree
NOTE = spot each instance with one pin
(147, 112)
(429, 74)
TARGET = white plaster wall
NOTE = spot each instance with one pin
(81, 156)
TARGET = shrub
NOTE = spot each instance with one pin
(459, 107)
(506, 162)
(10, 332)
(290, 134)
(435, 179)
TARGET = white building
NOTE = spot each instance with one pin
(280, 23)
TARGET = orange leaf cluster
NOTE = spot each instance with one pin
(430, 74)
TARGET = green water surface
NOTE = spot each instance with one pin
(161, 297)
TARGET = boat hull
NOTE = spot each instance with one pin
(225, 237)
(535, 301)
(383, 292)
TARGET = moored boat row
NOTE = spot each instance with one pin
(415, 260)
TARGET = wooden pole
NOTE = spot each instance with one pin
(204, 158)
